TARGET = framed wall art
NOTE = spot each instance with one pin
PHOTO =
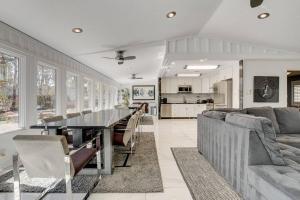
(143, 92)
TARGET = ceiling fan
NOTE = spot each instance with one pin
(133, 77)
(120, 57)
(255, 3)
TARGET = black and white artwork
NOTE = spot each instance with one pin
(266, 89)
(143, 92)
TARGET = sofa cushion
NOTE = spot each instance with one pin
(215, 115)
(288, 119)
(266, 112)
(289, 139)
(265, 131)
(275, 182)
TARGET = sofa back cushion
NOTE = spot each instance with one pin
(288, 120)
(266, 112)
(265, 131)
(215, 114)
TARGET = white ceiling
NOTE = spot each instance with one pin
(107, 24)
(235, 20)
(140, 27)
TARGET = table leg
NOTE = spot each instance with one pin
(77, 137)
(108, 151)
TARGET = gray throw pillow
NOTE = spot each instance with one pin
(265, 131)
(266, 112)
(288, 119)
(215, 115)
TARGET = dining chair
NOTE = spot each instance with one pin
(86, 112)
(71, 115)
(61, 131)
(48, 156)
(124, 137)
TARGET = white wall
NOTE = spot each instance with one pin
(267, 68)
(31, 52)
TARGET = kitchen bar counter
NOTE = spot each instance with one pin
(183, 103)
(181, 110)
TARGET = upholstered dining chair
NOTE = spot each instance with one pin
(125, 136)
(71, 115)
(61, 131)
(48, 156)
(86, 112)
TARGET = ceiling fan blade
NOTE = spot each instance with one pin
(120, 62)
(139, 78)
(129, 58)
(255, 3)
(108, 58)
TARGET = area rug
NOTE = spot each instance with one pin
(202, 180)
(147, 120)
(143, 175)
(80, 184)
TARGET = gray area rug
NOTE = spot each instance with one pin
(80, 184)
(202, 180)
(143, 176)
(147, 120)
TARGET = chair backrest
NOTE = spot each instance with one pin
(43, 156)
(129, 129)
(53, 119)
(86, 112)
(71, 115)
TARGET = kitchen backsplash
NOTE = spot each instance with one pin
(192, 98)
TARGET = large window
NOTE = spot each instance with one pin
(46, 91)
(97, 96)
(103, 97)
(72, 93)
(9, 92)
(87, 94)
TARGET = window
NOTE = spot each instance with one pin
(97, 96)
(9, 92)
(72, 93)
(87, 94)
(103, 97)
(46, 91)
(296, 93)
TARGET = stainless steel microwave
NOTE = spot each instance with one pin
(184, 89)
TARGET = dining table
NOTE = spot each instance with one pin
(102, 121)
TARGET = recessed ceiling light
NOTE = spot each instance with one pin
(188, 75)
(172, 63)
(200, 67)
(171, 14)
(263, 15)
(203, 60)
(77, 30)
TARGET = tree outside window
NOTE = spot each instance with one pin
(72, 93)
(46, 91)
(9, 92)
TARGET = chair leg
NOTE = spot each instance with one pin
(68, 178)
(98, 158)
(17, 191)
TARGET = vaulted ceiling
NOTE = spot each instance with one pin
(141, 27)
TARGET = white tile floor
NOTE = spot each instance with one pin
(168, 133)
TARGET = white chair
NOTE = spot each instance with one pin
(48, 156)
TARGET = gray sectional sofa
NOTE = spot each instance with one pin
(256, 150)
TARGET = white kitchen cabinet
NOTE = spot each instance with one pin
(169, 85)
(197, 85)
(205, 86)
(187, 110)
